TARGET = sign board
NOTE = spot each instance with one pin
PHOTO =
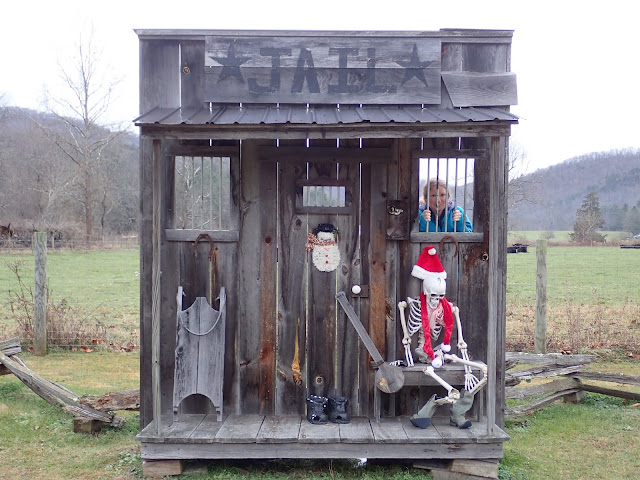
(322, 70)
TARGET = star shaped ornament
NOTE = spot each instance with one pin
(231, 64)
(414, 67)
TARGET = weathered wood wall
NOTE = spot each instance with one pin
(281, 337)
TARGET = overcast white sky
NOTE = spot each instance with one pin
(577, 62)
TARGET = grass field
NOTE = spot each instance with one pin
(102, 286)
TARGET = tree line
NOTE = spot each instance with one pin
(42, 188)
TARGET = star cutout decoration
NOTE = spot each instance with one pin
(414, 67)
(231, 64)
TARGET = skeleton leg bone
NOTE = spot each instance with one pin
(406, 339)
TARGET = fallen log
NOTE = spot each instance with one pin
(543, 371)
(56, 394)
(548, 358)
(614, 392)
(539, 404)
(9, 347)
(520, 393)
(610, 377)
(113, 401)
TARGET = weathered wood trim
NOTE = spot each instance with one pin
(434, 237)
(417, 153)
(156, 284)
(292, 132)
(326, 154)
(178, 235)
(152, 451)
(204, 151)
(474, 89)
(448, 34)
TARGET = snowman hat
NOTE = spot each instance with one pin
(428, 265)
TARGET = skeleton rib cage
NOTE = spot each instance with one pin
(415, 319)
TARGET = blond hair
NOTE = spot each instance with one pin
(434, 182)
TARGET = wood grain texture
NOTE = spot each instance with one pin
(328, 70)
(472, 89)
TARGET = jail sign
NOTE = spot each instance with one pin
(322, 70)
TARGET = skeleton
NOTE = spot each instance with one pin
(434, 286)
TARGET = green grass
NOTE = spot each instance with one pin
(607, 275)
(37, 439)
(103, 284)
(596, 439)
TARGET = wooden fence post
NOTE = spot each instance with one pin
(540, 335)
(40, 294)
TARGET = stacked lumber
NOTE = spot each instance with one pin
(571, 382)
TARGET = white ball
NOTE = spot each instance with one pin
(356, 289)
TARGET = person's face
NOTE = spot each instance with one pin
(437, 198)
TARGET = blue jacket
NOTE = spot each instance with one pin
(462, 225)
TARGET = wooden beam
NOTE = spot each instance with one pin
(304, 131)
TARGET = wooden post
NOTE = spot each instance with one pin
(40, 294)
(540, 335)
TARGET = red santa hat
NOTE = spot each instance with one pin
(428, 264)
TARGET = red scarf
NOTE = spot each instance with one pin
(426, 328)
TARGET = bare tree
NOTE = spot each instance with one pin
(81, 108)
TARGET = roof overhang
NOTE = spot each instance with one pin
(326, 121)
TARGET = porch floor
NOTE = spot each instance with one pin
(199, 436)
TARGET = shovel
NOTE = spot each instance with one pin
(389, 378)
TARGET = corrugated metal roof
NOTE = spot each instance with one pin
(318, 115)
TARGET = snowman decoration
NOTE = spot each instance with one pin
(324, 247)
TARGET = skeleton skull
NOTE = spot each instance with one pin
(434, 288)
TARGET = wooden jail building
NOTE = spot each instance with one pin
(251, 140)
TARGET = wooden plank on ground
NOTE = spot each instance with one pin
(389, 430)
(161, 468)
(279, 429)
(309, 433)
(541, 403)
(610, 391)
(240, 429)
(207, 430)
(358, 430)
(480, 468)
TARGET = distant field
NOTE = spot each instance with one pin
(559, 236)
(601, 275)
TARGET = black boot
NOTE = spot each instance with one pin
(338, 409)
(317, 410)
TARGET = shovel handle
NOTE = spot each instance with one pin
(362, 333)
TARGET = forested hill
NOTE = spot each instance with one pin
(555, 193)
